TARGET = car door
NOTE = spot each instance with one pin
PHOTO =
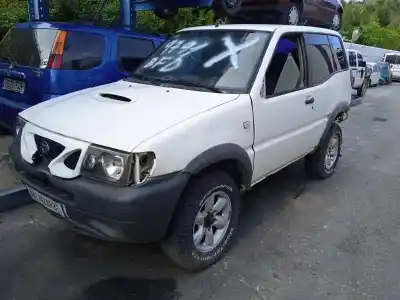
(130, 52)
(284, 126)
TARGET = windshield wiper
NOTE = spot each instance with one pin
(143, 78)
(171, 79)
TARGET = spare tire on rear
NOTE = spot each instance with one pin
(226, 8)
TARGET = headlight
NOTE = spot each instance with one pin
(116, 166)
(19, 125)
(107, 164)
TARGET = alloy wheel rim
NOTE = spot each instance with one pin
(212, 221)
(332, 152)
(336, 21)
(231, 3)
(293, 16)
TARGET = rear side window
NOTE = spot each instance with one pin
(392, 59)
(83, 51)
(352, 59)
(132, 51)
(339, 53)
(285, 72)
(359, 56)
(319, 57)
(27, 47)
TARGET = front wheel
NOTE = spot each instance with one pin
(205, 224)
(227, 8)
(322, 163)
(362, 90)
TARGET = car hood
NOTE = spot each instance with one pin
(121, 115)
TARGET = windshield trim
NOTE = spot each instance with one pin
(252, 77)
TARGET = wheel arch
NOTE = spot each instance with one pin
(230, 158)
(337, 115)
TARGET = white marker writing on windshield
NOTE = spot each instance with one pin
(231, 52)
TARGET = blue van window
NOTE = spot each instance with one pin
(132, 51)
(83, 50)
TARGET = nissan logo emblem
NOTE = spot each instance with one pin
(44, 147)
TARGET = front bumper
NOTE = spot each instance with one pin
(135, 214)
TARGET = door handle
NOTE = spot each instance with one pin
(309, 100)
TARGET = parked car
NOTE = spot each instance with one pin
(359, 75)
(385, 74)
(41, 60)
(326, 13)
(393, 59)
(105, 159)
(374, 74)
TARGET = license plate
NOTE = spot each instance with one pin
(14, 85)
(54, 206)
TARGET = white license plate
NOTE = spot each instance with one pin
(54, 206)
(14, 85)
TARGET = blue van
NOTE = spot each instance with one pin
(43, 60)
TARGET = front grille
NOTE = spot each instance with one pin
(47, 148)
(72, 160)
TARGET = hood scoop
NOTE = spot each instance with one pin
(115, 97)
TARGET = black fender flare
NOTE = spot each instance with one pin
(342, 107)
(221, 153)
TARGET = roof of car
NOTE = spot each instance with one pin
(263, 27)
(86, 27)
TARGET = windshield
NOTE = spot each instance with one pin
(27, 47)
(218, 59)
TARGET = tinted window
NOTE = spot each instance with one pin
(392, 59)
(285, 71)
(359, 56)
(27, 47)
(339, 54)
(352, 59)
(319, 54)
(197, 59)
(131, 52)
(83, 50)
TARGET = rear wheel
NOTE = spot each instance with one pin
(205, 223)
(336, 21)
(292, 15)
(322, 163)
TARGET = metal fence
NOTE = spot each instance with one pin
(372, 54)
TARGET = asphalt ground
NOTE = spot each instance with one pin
(299, 239)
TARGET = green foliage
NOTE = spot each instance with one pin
(378, 20)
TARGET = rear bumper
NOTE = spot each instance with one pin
(134, 214)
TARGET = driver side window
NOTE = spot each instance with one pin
(285, 73)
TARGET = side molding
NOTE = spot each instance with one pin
(220, 153)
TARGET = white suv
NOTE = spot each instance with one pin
(164, 154)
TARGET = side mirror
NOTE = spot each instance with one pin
(362, 63)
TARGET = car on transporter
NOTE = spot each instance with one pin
(63, 58)
(164, 154)
(324, 13)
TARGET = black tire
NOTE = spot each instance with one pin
(362, 90)
(315, 165)
(285, 15)
(166, 13)
(337, 14)
(227, 8)
(179, 245)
